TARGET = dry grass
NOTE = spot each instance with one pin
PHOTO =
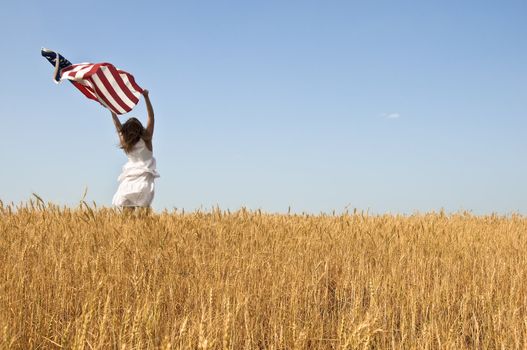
(90, 278)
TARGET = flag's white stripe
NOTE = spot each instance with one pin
(71, 74)
(104, 104)
(96, 96)
(85, 82)
(106, 94)
(117, 88)
(89, 86)
(80, 73)
(129, 85)
(78, 67)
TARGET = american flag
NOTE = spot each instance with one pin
(115, 89)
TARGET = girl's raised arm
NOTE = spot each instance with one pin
(150, 110)
(116, 122)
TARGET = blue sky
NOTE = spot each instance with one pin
(387, 106)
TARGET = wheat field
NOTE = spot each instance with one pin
(94, 278)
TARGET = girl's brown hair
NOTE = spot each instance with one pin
(131, 132)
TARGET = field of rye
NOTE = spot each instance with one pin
(93, 278)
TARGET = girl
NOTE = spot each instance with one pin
(136, 182)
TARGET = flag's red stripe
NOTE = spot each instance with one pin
(92, 70)
(122, 85)
(66, 74)
(111, 91)
(85, 90)
(101, 96)
(68, 71)
(91, 91)
(132, 81)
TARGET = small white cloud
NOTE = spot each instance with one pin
(391, 115)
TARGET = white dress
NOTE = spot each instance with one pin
(136, 182)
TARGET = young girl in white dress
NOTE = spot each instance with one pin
(136, 182)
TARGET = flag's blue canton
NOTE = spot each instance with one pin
(51, 56)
